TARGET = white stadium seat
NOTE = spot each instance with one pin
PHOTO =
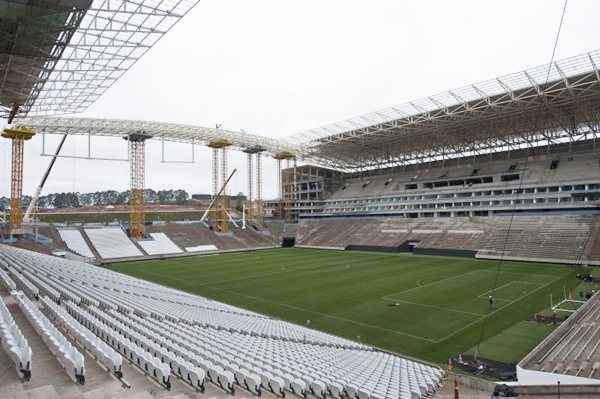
(168, 332)
(14, 343)
(159, 244)
(112, 242)
(75, 242)
(68, 356)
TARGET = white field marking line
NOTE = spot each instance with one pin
(505, 285)
(497, 310)
(329, 315)
(440, 308)
(387, 297)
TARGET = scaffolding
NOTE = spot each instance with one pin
(137, 168)
(285, 196)
(220, 216)
(250, 177)
(253, 208)
(215, 172)
(18, 135)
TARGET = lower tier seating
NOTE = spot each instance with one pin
(171, 334)
(552, 237)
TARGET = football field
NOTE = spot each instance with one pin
(429, 307)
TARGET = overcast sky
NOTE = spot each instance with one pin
(278, 67)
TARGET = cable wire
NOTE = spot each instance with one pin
(519, 189)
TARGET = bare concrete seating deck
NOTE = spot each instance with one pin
(551, 237)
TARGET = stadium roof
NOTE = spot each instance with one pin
(538, 105)
(58, 56)
(158, 130)
(543, 105)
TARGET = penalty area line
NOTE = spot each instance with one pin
(498, 309)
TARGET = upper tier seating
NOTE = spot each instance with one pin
(14, 343)
(165, 331)
(68, 356)
(160, 244)
(75, 242)
(112, 242)
(535, 169)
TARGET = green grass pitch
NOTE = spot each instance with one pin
(428, 307)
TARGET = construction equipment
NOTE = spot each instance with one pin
(38, 190)
(220, 204)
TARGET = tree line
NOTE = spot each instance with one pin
(101, 198)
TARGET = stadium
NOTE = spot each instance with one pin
(445, 247)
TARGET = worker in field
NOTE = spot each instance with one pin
(491, 300)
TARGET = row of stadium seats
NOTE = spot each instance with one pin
(75, 242)
(143, 300)
(101, 351)
(122, 343)
(67, 355)
(6, 281)
(168, 334)
(14, 343)
(572, 167)
(112, 242)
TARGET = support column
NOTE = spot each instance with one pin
(279, 182)
(259, 179)
(250, 178)
(215, 172)
(18, 135)
(219, 213)
(254, 200)
(224, 170)
(137, 172)
(258, 202)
